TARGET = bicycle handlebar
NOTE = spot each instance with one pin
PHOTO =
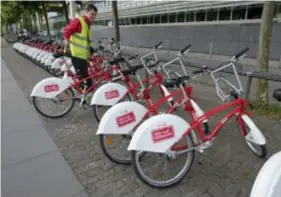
(239, 54)
(185, 49)
(204, 69)
(158, 45)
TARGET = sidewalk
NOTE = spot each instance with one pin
(32, 165)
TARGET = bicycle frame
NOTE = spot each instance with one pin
(240, 106)
(99, 77)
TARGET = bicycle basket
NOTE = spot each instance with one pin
(172, 69)
(224, 87)
(149, 61)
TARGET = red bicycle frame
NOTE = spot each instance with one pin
(99, 77)
(240, 106)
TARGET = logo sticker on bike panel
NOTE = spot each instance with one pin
(51, 88)
(125, 119)
(163, 133)
(111, 94)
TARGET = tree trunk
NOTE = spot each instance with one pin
(40, 20)
(46, 17)
(35, 22)
(263, 54)
(65, 12)
(115, 19)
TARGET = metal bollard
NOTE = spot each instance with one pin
(169, 46)
(211, 50)
(279, 63)
(138, 46)
(248, 85)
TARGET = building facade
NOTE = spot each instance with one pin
(171, 12)
(222, 27)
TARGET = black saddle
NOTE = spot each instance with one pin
(116, 60)
(132, 70)
(175, 82)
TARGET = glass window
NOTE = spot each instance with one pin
(200, 15)
(189, 16)
(134, 21)
(164, 18)
(180, 17)
(157, 19)
(172, 17)
(239, 13)
(120, 22)
(151, 19)
(255, 11)
(144, 19)
(138, 20)
(212, 14)
(224, 13)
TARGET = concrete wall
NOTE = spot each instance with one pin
(226, 38)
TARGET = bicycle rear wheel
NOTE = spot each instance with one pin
(100, 110)
(173, 176)
(67, 95)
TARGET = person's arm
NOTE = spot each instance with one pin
(73, 27)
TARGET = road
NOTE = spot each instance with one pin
(227, 169)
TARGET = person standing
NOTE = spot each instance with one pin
(77, 38)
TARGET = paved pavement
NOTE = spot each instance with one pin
(227, 169)
(32, 164)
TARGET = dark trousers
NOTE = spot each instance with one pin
(81, 69)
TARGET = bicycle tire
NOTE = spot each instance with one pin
(169, 184)
(54, 116)
(263, 149)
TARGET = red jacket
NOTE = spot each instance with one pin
(74, 27)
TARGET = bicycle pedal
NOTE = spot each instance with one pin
(205, 145)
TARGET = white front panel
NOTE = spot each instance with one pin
(166, 92)
(121, 118)
(255, 135)
(50, 87)
(158, 133)
(198, 111)
(109, 94)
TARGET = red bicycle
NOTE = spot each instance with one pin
(58, 91)
(172, 138)
(115, 135)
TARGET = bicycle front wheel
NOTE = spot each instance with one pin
(56, 107)
(258, 150)
(163, 170)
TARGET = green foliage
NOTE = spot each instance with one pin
(9, 12)
(13, 11)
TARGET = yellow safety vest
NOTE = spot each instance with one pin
(80, 42)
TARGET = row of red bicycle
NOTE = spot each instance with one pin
(131, 129)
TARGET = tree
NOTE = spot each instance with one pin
(46, 17)
(263, 54)
(116, 19)
(65, 11)
(8, 14)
